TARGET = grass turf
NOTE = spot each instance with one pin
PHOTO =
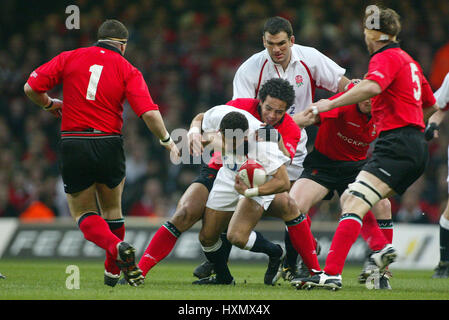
(46, 280)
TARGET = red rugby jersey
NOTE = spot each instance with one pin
(289, 130)
(345, 133)
(96, 81)
(405, 90)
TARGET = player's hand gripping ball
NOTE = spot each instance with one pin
(252, 173)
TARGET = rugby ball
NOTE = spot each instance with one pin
(252, 173)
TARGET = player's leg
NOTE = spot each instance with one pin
(307, 193)
(375, 237)
(110, 203)
(241, 234)
(442, 269)
(371, 231)
(355, 203)
(384, 219)
(83, 208)
(214, 223)
(285, 208)
(189, 211)
(360, 196)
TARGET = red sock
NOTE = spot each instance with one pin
(309, 221)
(302, 240)
(160, 246)
(96, 230)
(371, 232)
(118, 228)
(386, 226)
(346, 234)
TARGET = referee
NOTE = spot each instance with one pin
(96, 81)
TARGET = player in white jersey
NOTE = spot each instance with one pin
(232, 205)
(305, 68)
(442, 97)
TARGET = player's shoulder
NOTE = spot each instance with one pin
(257, 60)
(306, 53)
(244, 103)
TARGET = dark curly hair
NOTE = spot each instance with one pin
(278, 88)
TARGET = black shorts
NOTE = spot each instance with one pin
(399, 158)
(85, 161)
(332, 174)
(207, 176)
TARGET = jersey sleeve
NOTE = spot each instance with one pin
(382, 69)
(442, 94)
(291, 134)
(428, 98)
(244, 84)
(212, 118)
(325, 72)
(49, 74)
(137, 93)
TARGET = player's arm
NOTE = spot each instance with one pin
(44, 79)
(282, 147)
(304, 119)
(279, 183)
(155, 124)
(364, 90)
(42, 99)
(194, 135)
(343, 84)
(433, 125)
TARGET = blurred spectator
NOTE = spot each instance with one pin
(151, 203)
(410, 210)
(440, 67)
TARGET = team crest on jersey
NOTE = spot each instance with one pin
(299, 80)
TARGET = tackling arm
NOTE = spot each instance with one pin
(278, 184)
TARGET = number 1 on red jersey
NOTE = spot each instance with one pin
(95, 71)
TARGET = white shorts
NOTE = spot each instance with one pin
(224, 197)
(296, 168)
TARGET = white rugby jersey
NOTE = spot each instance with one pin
(442, 94)
(267, 153)
(308, 69)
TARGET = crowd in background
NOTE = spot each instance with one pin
(188, 52)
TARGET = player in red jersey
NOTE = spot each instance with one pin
(401, 100)
(275, 96)
(96, 81)
(340, 151)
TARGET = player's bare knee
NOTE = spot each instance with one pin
(237, 239)
(291, 210)
(206, 240)
(186, 216)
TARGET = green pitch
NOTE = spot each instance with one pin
(48, 280)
